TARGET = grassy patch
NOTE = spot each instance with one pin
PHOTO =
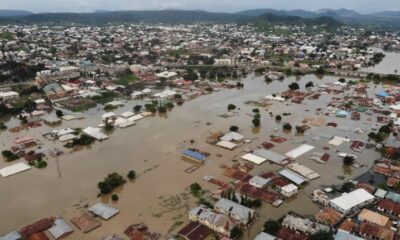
(6, 36)
(127, 79)
(106, 97)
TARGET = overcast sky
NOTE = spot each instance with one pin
(209, 5)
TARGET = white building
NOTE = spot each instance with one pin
(11, 95)
(352, 200)
(258, 182)
(289, 190)
(222, 62)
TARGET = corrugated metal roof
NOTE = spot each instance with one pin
(194, 154)
(104, 210)
(61, 228)
(11, 236)
(292, 176)
(270, 155)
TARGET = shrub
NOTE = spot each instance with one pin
(114, 197)
(41, 164)
(195, 188)
(169, 105)
(294, 86)
(287, 127)
(347, 187)
(348, 160)
(131, 175)
(9, 156)
(231, 107)
(272, 227)
(162, 109)
(137, 108)
(299, 130)
(59, 113)
(256, 122)
(236, 233)
(309, 84)
(233, 128)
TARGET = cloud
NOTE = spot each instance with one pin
(209, 5)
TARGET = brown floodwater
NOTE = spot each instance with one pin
(388, 65)
(152, 148)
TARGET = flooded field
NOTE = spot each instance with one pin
(159, 196)
(389, 64)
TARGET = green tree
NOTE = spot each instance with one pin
(169, 105)
(9, 156)
(294, 86)
(162, 109)
(272, 227)
(131, 175)
(322, 235)
(236, 233)
(137, 108)
(309, 84)
(233, 128)
(114, 197)
(347, 187)
(231, 107)
(287, 127)
(195, 188)
(256, 122)
(59, 113)
(348, 160)
(299, 130)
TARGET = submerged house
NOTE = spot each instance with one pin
(190, 155)
(234, 210)
(218, 222)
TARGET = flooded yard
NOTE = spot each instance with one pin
(159, 196)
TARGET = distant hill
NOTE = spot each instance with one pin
(382, 20)
(13, 13)
(101, 11)
(394, 14)
(304, 13)
(338, 13)
(294, 20)
(163, 16)
(259, 12)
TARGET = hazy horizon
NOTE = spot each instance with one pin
(36, 6)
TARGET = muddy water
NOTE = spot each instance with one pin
(389, 64)
(152, 148)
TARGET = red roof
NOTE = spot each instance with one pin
(369, 229)
(288, 234)
(36, 227)
(389, 206)
(194, 231)
(38, 236)
(267, 145)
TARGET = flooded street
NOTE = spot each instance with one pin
(152, 148)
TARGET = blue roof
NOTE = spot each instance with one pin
(194, 154)
(343, 235)
(395, 197)
(342, 112)
(382, 93)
